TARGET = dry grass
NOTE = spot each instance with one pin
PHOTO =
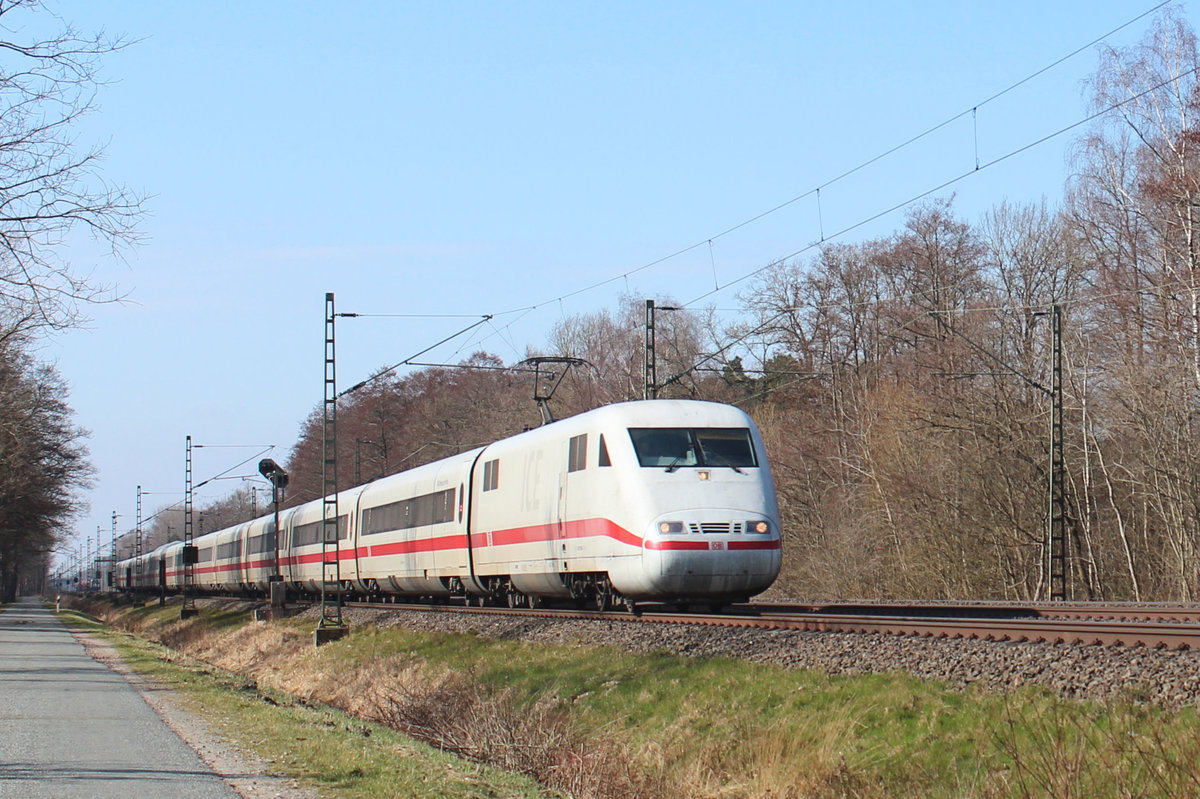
(456, 714)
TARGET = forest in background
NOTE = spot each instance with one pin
(900, 383)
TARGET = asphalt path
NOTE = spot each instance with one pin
(71, 727)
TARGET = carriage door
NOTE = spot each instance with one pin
(558, 541)
(576, 463)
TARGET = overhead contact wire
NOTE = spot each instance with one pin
(863, 165)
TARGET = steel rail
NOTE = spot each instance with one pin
(1147, 611)
(1088, 632)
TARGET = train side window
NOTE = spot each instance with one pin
(491, 475)
(259, 544)
(406, 514)
(577, 453)
(604, 461)
(314, 532)
(230, 549)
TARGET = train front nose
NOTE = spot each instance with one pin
(715, 554)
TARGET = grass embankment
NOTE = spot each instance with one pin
(586, 721)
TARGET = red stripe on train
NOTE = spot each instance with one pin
(534, 534)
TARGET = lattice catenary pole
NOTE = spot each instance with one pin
(331, 574)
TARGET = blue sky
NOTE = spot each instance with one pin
(484, 157)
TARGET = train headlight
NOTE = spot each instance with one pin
(758, 526)
(670, 527)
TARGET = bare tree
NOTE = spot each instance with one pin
(50, 186)
(614, 345)
(43, 466)
(1135, 203)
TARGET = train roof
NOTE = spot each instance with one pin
(638, 413)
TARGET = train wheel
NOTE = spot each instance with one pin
(603, 600)
(632, 607)
(514, 599)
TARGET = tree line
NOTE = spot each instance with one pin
(50, 186)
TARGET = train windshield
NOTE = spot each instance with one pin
(677, 447)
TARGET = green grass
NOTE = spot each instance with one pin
(728, 728)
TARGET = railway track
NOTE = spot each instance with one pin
(1151, 626)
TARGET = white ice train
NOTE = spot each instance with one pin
(656, 501)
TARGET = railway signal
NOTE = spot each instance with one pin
(279, 480)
